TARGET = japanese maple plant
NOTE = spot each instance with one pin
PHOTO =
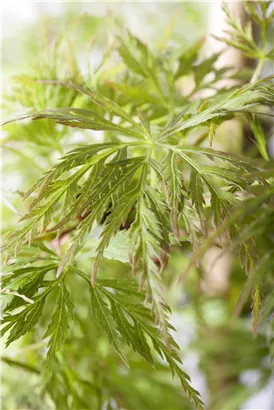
(152, 184)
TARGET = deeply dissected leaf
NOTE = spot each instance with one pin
(21, 323)
(115, 219)
(187, 59)
(58, 328)
(133, 323)
(102, 315)
(173, 185)
(81, 118)
(140, 196)
(242, 99)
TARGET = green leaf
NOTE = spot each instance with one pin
(245, 97)
(30, 284)
(75, 199)
(130, 60)
(187, 59)
(136, 54)
(256, 307)
(80, 118)
(144, 121)
(116, 218)
(241, 36)
(259, 136)
(101, 203)
(203, 68)
(173, 183)
(149, 247)
(103, 316)
(19, 365)
(24, 321)
(134, 323)
(196, 189)
(58, 329)
(101, 101)
(132, 334)
(234, 160)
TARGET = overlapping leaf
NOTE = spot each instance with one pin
(133, 323)
(87, 201)
(149, 249)
(239, 101)
(163, 185)
(81, 118)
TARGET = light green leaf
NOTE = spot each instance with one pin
(80, 118)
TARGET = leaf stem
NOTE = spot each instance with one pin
(153, 176)
(262, 58)
(257, 71)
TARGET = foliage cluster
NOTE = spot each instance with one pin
(154, 184)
